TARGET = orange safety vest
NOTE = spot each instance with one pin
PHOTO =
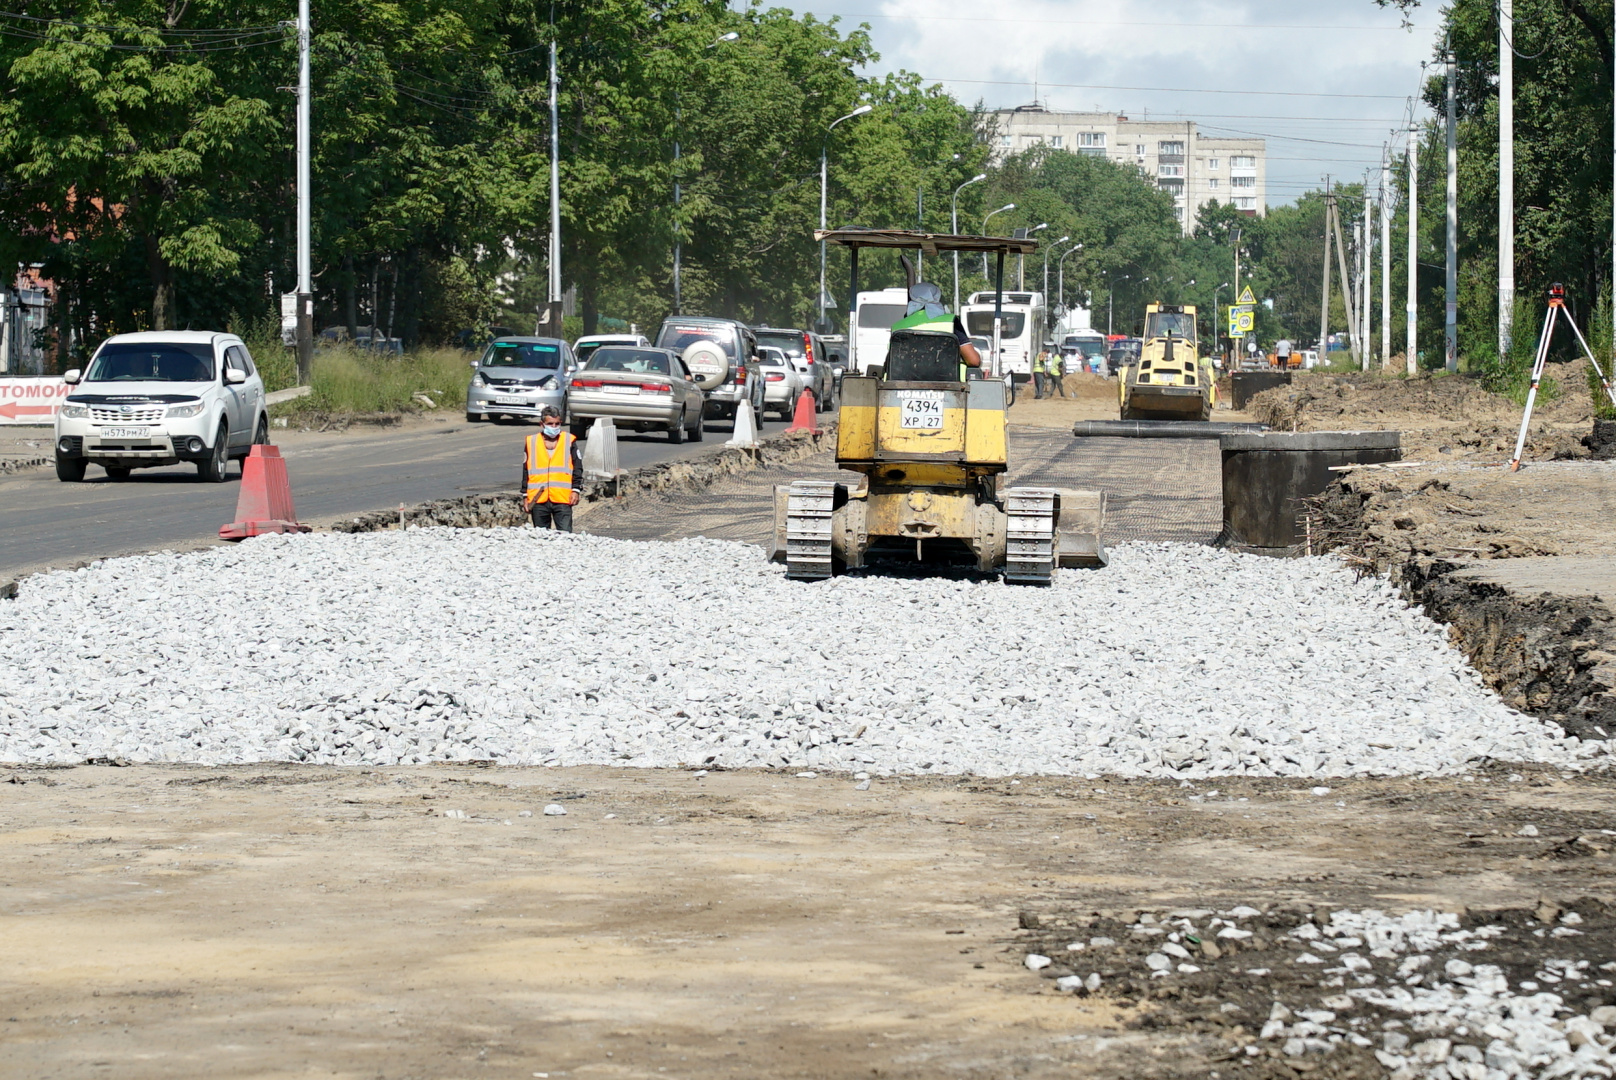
(549, 472)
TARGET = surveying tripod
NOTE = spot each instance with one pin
(1556, 306)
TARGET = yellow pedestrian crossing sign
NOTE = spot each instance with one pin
(1246, 297)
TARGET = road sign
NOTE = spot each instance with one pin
(1242, 321)
(1246, 297)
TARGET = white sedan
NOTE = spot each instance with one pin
(646, 389)
(783, 384)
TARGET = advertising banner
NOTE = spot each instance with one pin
(31, 401)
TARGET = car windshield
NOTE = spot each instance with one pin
(787, 341)
(880, 316)
(152, 361)
(981, 322)
(680, 337)
(1161, 323)
(585, 349)
(523, 354)
(1091, 348)
(633, 361)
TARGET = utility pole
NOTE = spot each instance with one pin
(555, 194)
(1354, 307)
(305, 270)
(1385, 256)
(1506, 173)
(1450, 320)
(1346, 292)
(1324, 303)
(678, 226)
(1412, 309)
(1366, 283)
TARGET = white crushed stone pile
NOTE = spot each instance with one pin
(529, 647)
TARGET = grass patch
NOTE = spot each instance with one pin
(349, 381)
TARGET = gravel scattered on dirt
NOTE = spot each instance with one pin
(529, 647)
(1426, 994)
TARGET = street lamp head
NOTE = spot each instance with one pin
(861, 110)
(731, 36)
(1035, 228)
(978, 176)
(1062, 240)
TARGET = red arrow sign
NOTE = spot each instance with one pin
(11, 410)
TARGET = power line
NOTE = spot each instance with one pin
(1097, 23)
(1161, 89)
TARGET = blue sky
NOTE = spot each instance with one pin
(1325, 81)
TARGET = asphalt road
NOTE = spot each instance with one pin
(44, 522)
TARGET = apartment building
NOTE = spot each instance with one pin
(1194, 168)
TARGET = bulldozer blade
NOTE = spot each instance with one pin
(1080, 529)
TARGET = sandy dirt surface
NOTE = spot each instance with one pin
(1093, 397)
(281, 921)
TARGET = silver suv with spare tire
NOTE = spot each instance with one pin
(722, 357)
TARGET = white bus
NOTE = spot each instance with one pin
(1021, 329)
(877, 311)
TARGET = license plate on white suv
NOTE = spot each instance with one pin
(922, 409)
(125, 433)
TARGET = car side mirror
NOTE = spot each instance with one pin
(72, 376)
(234, 376)
(474, 364)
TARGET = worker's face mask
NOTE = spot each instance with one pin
(926, 296)
(552, 431)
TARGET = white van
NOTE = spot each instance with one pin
(160, 398)
(877, 311)
(1021, 329)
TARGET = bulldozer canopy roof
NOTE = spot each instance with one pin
(928, 243)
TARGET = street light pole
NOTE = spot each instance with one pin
(1021, 261)
(824, 149)
(678, 190)
(1109, 282)
(1060, 276)
(1217, 338)
(1052, 245)
(305, 274)
(555, 196)
(953, 226)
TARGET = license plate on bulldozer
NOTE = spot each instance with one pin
(920, 409)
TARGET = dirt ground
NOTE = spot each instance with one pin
(280, 922)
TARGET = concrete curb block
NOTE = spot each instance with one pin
(504, 509)
(20, 464)
(280, 397)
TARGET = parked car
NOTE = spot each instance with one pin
(159, 398)
(585, 346)
(722, 356)
(836, 356)
(643, 388)
(517, 377)
(783, 384)
(809, 356)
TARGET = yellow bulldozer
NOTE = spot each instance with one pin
(1170, 380)
(926, 437)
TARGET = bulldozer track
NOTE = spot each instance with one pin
(808, 529)
(1030, 535)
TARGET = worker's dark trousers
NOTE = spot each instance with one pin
(549, 515)
(1059, 384)
(1037, 385)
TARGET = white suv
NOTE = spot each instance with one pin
(160, 398)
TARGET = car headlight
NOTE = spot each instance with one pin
(547, 383)
(75, 412)
(479, 380)
(179, 412)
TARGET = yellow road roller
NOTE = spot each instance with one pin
(1170, 380)
(926, 437)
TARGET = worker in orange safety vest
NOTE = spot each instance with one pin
(551, 467)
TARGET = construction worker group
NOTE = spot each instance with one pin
(1047, 373)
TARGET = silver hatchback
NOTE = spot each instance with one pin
(646, 389)
(518, 376)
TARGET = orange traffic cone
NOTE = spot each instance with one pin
(265, 502)
(807, 410)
